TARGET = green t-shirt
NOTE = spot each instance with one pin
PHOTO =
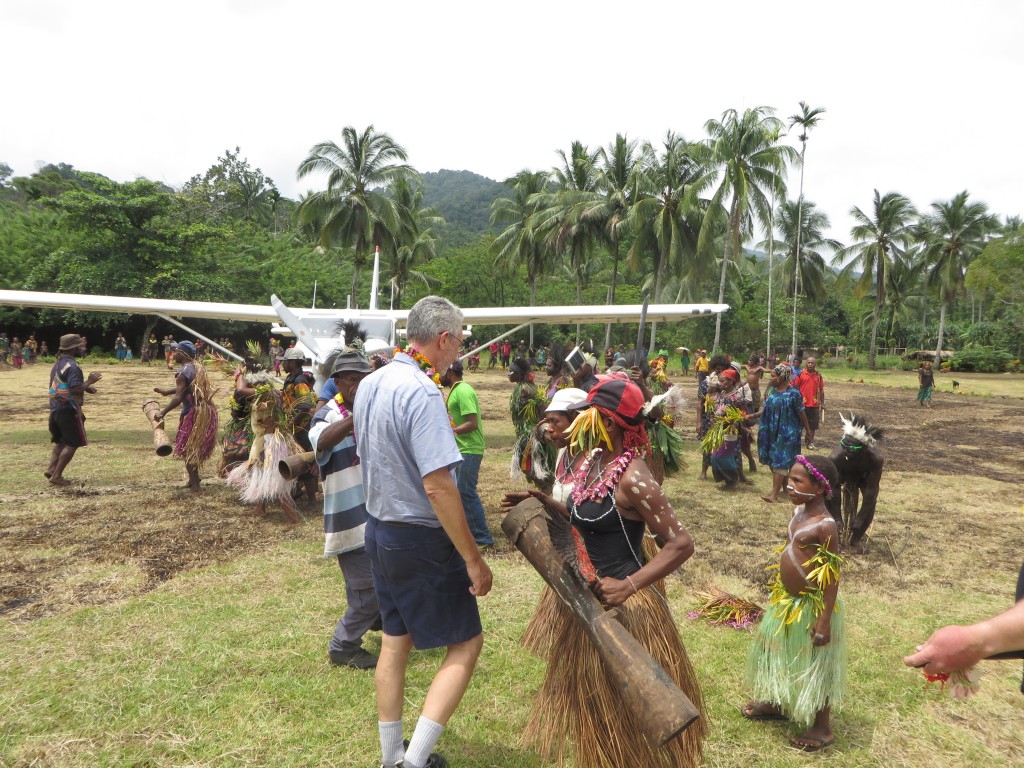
(461, 403)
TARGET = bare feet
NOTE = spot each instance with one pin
(59, 481)
(48, 473)
(770, 499)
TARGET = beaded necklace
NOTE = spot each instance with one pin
(425, 365)
(603, 486)
(607, 479)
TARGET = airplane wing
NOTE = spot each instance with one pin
(612, 313)
(316, 329)
(216, 310)
(212, 310)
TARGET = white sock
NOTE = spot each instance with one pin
(423, 740)
(391, 742)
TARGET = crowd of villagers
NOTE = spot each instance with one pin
(596, 449)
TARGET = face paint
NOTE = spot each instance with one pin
(791, 489)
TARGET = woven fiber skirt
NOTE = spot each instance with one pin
(578, 714)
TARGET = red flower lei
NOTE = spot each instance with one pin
(425, 365)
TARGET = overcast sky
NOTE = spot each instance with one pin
(922, 98)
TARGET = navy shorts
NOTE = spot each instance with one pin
(422, 585)
(67, 425)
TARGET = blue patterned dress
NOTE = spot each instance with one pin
(778, 436)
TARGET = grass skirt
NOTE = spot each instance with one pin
(197, 434)
(262, 480)
(578, 706)
(784, 668)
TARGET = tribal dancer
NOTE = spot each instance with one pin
(258, 479)
(613, 498)
(238, 431)
(531, 456)
(299, 402)
(197, 430)
(797, 665)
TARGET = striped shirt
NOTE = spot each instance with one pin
(344, 501)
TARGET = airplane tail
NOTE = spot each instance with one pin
(375, 284)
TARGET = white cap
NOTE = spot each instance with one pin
(563, 398)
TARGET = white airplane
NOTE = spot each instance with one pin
(316, 329)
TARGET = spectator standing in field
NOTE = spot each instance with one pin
(5, 347)
(685, 360)
(427, 569)
(17, 352)
(332, 436)
(702, 366)
(44, 351)
(121, 347)
(506, 354)
(464, 409)
(925, 384)
(812, 388)
(755, 370)
(168, 345)
(494, 350)
(31, 349)
(67, 393)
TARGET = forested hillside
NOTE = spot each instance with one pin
(463, 199)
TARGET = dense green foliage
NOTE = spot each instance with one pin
(673, 220)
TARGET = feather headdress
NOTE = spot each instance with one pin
(857, 428)
(353, 339)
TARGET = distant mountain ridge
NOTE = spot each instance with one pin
(463, 198)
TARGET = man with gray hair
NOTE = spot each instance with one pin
(426, 567)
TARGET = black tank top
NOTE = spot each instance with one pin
(613, 552)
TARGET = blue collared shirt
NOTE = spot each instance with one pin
(402, 435)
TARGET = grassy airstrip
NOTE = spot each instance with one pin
(224, 663)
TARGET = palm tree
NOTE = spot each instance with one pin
(416, 241)
(561, 214)
(905, 292)
(744, 149)
(666, 216)
(520, 242)
(354, 210)
(806, 119)
(954, 233)
(879, 237)
(807, 273)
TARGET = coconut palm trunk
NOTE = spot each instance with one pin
(942, 331)
(732, 245)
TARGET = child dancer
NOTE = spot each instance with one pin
(797, 666)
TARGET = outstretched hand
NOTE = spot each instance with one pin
(948, 649)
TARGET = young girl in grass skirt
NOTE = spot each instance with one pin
(578, 714)
(797, 665)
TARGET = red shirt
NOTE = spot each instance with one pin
(811, 386)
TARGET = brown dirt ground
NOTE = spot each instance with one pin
(128, 526)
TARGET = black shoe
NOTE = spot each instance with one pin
(357, 659)
(436, 759)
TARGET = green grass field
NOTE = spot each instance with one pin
(223, 663)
